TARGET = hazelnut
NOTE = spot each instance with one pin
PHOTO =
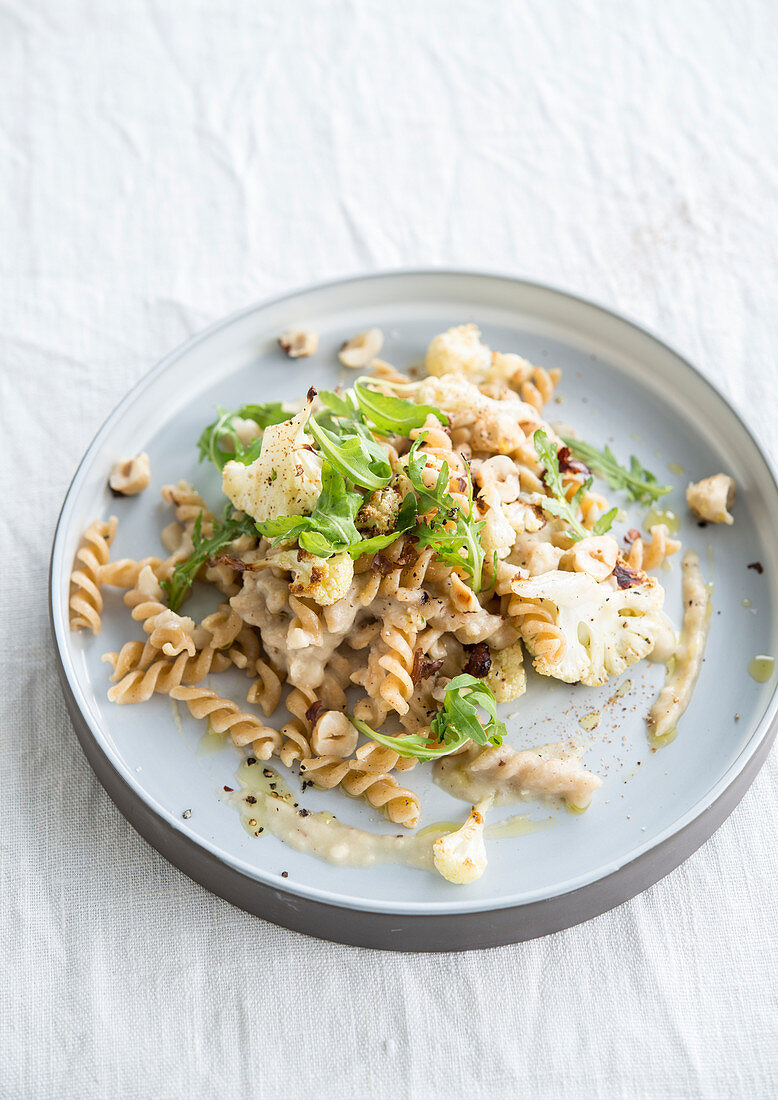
(130, 476)
(298, 343)
(359, 350)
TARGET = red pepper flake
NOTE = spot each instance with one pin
(632, 535)
(250, 799)
(230, 789)
(312, 392)
(284, 874)
(479, 660)
(756, 565)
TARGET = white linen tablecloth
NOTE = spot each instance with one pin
(162, 164)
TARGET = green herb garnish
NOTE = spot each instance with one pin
(558, 504)
(453, 726)
(330, 527)
(221, 443)
(349, 446)
(224, 532)
(393, 415)
(637, 482)
(454, 536)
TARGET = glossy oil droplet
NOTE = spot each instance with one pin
(746, 602)
(663, 515)
(761, 668)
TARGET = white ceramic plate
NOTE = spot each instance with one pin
(619, 385)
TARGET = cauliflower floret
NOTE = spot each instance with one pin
(711, 498)
(524, 518)
(464, 403)
(459, 351)
(497, 533)
(378, 515)
(511, 368)
(603, 628)
(324, 580)
(460, 857)
(507, 676)
(286, 478)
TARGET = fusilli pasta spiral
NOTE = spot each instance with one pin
(86, 600)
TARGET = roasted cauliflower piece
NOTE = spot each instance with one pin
(464, 404)
(582, 631)
(507, 676)
(459, 350)
(323, 580)
(497, 534)
(378, 515)
(460, 857)
(711, 498)
(286, 478)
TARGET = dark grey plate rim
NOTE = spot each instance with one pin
(489, 927)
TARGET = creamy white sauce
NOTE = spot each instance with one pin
(666, 643)
(503, 776)
(266, 805)
(676, 694)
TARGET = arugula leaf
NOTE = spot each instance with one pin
(330, 528)
(393, 414)
(340, 404)
(637, 482)
(182, 578)
(558, 504)
(213, 438)
(353, 451)
(454, 536)
(454, 725)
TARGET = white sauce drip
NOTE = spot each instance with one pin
(676, 694)
(322, 835)
(502, 775)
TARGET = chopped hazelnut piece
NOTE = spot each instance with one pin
(359, 350)
(298, 343)
(130, 476)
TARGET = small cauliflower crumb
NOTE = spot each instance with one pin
(459, 351)
(460, 857)
(507, 677)
(378, 515)
(323, 580)
(711, 498)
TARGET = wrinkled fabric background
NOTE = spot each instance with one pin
(162, 164)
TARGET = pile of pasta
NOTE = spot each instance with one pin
(394, 627)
